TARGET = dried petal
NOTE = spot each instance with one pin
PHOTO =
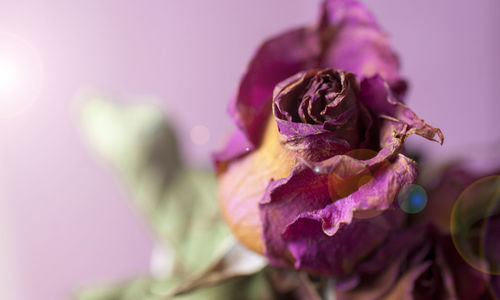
(299, 217)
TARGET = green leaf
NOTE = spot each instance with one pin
(179, 201)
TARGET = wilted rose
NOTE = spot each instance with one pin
(310, 178)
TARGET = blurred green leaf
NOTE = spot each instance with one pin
(179, 201)
(254, 287)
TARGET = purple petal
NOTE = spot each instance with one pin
(299, 217)
(374, 95)
(236, 146)
(352, 12)
(311, 142)
(363, 50)
(375, 288)
(378, 194)
(405, 286)
(337, 255)
(398, 120)
(398, 245)
(277, 59)
(359, 45)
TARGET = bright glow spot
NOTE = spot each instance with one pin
(10, 76)
(200, 135)
(20, 74)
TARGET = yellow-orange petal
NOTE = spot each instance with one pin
(243, 183)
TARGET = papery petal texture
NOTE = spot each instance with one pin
(300, 217)
(327, 117)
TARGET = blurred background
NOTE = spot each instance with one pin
(65, 221)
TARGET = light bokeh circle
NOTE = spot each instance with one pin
(200, 135)
(475, 225)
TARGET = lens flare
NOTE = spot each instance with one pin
(10, 76)
(475, 225)
(317, 169)
(412, 198)
(20, 74)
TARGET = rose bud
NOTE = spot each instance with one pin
(318, 192)
(346, 37)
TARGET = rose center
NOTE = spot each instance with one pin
(322, 91)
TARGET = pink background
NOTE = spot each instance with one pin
(65, 221)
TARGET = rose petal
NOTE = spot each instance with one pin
(337, 255)
(376, 288)
(352, 12)
(243, 183)
(378, 194)
(404, 287)
(310, 141)
(363, 50)
(298, 216)
(236, 146)
(277, 59)
(399, 121)
(376, 275)
(359, 45)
